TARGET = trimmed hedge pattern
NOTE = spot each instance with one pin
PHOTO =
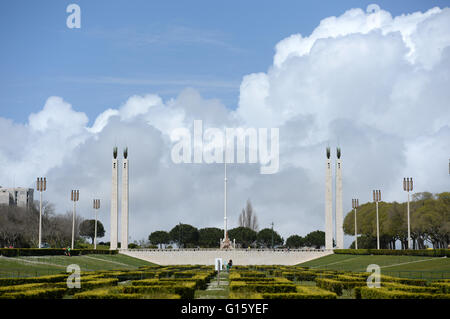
(16, 252)
(397, 252)
(384, 293)
(261, 282)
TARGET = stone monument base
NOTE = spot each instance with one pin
(226, 244)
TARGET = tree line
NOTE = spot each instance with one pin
(429, 222)
(188, 236)
(19, 227)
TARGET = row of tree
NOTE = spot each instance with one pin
(19, 227)
(429, 222)
(188, 236)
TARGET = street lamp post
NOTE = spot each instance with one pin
(41, 186)
(355, 204)
(408, 187)
(96, 207)
(376, 199)
(75, 196)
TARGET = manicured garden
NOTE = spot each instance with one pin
(242, 282)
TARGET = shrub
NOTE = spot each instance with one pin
(106, 294)
(408, 288)
(244, 295)
(29, 280)
(15, 288)
(406, 281)
(15, 252)
(252, 274)
(238, 286)
(38, 293)
(383, 293)
(186, 290)
(443, 287)
(397, 252)
(337, 286)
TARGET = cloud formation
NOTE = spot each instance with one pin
(374, 84)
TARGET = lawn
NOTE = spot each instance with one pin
(48, 265)
(400, 266)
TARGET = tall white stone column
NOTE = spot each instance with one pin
(328, 204)
(339, 212)
(114, 201)
(225, 205)
(124, 212)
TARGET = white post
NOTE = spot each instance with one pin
(40, 219)
(95, 232)
(339, 210)
(124, 212)
(73, 223)
(114, 204)
(409, 230)
(328, 207)
(225, 205)
(356, 233)
(378, 229)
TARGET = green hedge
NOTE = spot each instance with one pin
(15, 252)
(302, 293)
(443, 287)
(409, 288)
(397, 252)
(406, 281)
(337, 286)
(38, 293)
(244, 295)
(237, 286)
(130, 275)
(16, 288)
(186, 290)
(384, 293)
(29, 280)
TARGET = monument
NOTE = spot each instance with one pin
(124, 211)
(328, 204)
(114, 201)
(225, 243)
(339, 212)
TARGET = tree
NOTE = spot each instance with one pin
(87, 229)
(159, 237)
(265, 236)
(19, 227)
(185, 235)
(365, 242)
(315, 239)
(295, 241)
(243, 236)
(210, 237)
(429, 221)
(247, 218)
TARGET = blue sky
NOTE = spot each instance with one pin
(129, 58)
(137, 47)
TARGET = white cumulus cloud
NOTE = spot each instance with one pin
(374, 84)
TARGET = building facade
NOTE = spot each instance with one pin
(17, 196)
